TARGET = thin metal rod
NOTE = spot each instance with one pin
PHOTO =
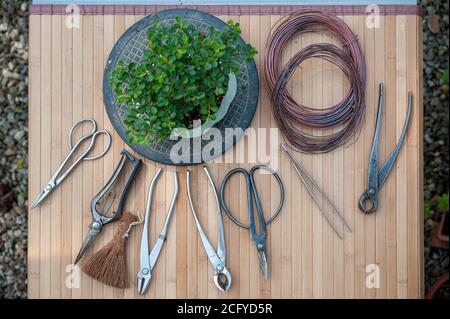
(302, 173)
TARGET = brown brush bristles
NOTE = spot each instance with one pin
(109, 264)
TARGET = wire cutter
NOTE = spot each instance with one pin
(99, 212)
(222, 277)
(58, 176)
(252, 195)
(148, 261)
(377, 177)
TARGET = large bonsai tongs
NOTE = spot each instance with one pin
(377, 177)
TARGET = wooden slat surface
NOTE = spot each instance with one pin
(305, 259)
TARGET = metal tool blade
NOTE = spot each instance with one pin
(94, 229)
(263, 265)
(43, 194)
(143, 280)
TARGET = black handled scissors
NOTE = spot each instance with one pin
(252, 194)
(377, 177)
(99, 217)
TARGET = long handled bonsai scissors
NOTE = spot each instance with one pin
(148, 261)
(218, 259)
(58, 175)
(252, 195)
(377, 177)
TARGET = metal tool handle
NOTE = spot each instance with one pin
(262, 221)
(373, 160)
(93, 134)
(368, 202)
(251, 190)
(212, 255)
(163, 234)
(136, 162)
(57, 178)
(387, 166)
(221, 246)
(83, 137)
(144, 253)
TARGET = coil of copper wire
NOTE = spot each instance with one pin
(292, 117)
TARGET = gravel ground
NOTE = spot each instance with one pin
(13, 147)
(13, 139)
(436, 43)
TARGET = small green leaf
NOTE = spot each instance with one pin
(123, 99)
(442, 203)
(426, 210)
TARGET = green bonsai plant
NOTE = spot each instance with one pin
(182, 77)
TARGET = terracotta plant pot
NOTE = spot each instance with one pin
(436, 286)
(443, 229)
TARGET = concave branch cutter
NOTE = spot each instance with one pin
(99, 212)
(148, 261)
(377, 177)
(222, 277)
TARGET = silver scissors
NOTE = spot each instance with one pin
(148, 261)
(377, 177)
(218, 259)
(58, 175)
(252, 195)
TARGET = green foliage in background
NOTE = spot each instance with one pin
(181, 78)
(444, 78)
(442, 203)
(426, 210)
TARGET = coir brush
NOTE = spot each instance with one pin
(109, 264)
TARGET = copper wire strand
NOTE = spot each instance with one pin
(291, 116)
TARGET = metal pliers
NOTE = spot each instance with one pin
(222, 277)
(148, 261)
(377, 177)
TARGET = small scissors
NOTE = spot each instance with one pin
(218, 259)
(377, 177)
(57, 177)
(99, 217)
(147, 262)
(252, 194)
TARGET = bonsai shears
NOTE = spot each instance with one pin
(148, 261)
(377, 177)
(253, 196)
(218, 259)
(99, 212)
(58, 175)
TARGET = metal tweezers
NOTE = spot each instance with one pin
(304, 177)
(148, 261)
(222, 277)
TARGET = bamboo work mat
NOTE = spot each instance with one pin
(305, 259)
